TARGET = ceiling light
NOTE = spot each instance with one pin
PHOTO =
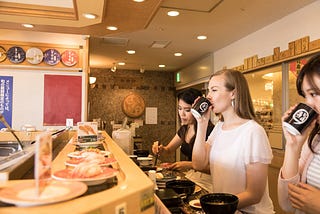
(138, 0)
(201, 37)
(114, 67)
(131, 51)
(28, 25)
(121, 63)
(173, 13)
(162, 66)
(89, 15)
(112, 28)
(178, 54)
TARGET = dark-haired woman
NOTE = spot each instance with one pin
(299, 177)
(186, 134)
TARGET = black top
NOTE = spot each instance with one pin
(186, 148)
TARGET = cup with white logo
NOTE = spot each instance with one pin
(200, 107)
(299, 119)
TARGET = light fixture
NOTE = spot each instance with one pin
(138, 1)
(113, 28)
(173, 13)
(114, 67)
(202, 37)
(92, 80)
(121, 63)
(178, 54)
(162, 66)
(131, 51)
(89, 15)
(28, 25)
(142, 70)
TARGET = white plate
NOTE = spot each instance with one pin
(108, 161)
(195, 203)
(66, 175)
(24, 193)
(144, 158)
(77, 154)
(88, 144)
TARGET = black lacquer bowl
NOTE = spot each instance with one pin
(219, 203)
(181, 186)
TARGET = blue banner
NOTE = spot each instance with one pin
(6, 90)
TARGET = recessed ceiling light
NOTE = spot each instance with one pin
(178, 54)
(131, 51)
(89, 15)
(138, 0)
(162, 66)
(28, 25)
(121, 63)
(201, 37)
(173, 13)
(112, 28)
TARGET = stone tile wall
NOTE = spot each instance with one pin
(155, 87)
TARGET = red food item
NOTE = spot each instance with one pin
(71, 174)
(76, 161)
(197, 204)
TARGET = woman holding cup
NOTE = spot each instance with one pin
(299, 177)
(237, 152)
(185, 136)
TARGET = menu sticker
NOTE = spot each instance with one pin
(43, 159)
(87, 132)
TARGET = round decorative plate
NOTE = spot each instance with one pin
(133, 105)
(24, 194)
(3, 54)
(52, 57)
(16, 54)
(69, 58)
(34, 56)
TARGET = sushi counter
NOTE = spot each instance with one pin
(121, 186)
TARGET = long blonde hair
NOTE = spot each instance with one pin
(235, 81)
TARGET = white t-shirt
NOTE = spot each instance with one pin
(231, 151)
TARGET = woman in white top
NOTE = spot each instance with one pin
(299, 177)
(237, 151)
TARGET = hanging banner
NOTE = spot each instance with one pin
(6, 90)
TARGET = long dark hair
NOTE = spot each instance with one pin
(308, 71)
(189, 95)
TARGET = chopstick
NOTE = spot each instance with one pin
(157, 155)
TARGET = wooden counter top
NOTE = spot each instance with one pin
(134, 190)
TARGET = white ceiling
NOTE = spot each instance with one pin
(141, 24)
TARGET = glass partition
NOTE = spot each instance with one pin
(266, 92)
